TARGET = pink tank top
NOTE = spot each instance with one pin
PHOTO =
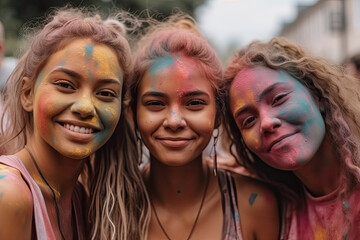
(42, 222)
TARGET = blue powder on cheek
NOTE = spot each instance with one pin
(2, 176)
(106, 118)
(293, 113)
(101, 136)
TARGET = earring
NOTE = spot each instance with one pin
(216, 137)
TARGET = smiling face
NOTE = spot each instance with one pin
(77, 98)
(277, 117)
(176, 110)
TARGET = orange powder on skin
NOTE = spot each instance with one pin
(44, 106)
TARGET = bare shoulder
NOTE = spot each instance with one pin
(253, 192)
(258, 208)
(16, 204)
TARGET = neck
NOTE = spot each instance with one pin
(179, 184)
(60, 172)
(321, 175)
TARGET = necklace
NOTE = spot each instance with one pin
(197, 216)
(52, 190)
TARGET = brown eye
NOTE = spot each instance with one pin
(65, 85)
(195, 104)
(154, 105)
(106, 94)
(248, 122)
(278, 99)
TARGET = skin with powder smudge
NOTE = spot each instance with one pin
(176, 110)
(277, 117)
(79, 87)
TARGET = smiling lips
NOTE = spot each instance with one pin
(174, 142)
(78, 129)
(279, 140)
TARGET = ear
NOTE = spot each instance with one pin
(26, 94)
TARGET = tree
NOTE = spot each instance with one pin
(14, 13)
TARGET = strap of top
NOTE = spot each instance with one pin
(231, 220)
(42, 222)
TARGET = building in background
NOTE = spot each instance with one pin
(328, 28)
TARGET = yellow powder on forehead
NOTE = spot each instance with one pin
(106, 60)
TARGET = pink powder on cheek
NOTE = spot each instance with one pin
(44, 104)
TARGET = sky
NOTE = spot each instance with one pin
(242, 21)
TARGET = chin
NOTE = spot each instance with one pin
(288, 165)
(77, 154)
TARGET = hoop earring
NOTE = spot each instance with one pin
(216, 137)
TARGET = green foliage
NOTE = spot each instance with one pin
(14, 13)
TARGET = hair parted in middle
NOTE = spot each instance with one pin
(177, 34)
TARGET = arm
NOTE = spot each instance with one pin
(258, 208)
(16, 206)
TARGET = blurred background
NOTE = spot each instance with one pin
(327, 28)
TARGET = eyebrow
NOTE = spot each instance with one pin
(153, 94)
(262, 95)
(195, 93)
(267, 91)
(67, 71)
(187, 94)
(241, 111)
(74, 74)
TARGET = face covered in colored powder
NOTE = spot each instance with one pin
(277, 117)
(77, 98)
(176, 110)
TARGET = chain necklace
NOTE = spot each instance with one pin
(52, 190)
(197, 216)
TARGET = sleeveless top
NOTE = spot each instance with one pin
(42, 224)
(231, 220)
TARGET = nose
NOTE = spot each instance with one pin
(174, 120)
(269, 122)
(84, 106)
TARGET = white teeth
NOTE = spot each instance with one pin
(78, 129)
